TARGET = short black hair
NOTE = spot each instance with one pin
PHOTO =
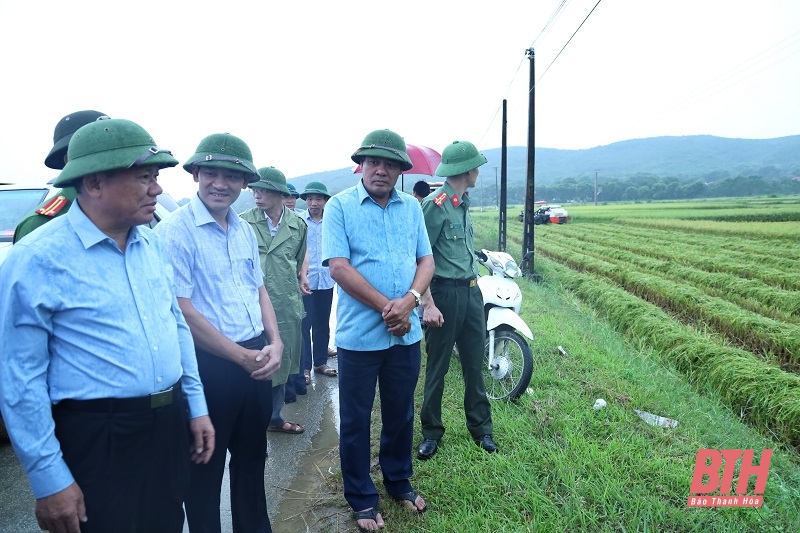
(422, 188)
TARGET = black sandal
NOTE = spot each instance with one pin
(367, 514)
(409, 497)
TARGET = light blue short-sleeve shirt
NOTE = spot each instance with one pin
(219, 271)
(383, 245)
(81, 319)
(319, 277)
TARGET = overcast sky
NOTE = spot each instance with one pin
(303, 82)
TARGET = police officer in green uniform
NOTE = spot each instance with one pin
(57, 159)
(453, 305)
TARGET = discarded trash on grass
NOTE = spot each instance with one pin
(562, 350)
(529, 390)
(599, 404)
(655, 420)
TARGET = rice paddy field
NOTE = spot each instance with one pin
(688, 310)
(712, 287)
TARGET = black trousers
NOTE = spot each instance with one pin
(132, 465)
(240, 408)
(316, 328)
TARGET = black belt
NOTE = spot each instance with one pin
(256, 343)
(118, 405)
(471, 282)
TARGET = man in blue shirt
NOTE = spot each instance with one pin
(316, 324)
(97, 356)
(220, 289)
(375, 242)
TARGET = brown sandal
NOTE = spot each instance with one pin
(293, 429)
(307, 373)
(325, 370)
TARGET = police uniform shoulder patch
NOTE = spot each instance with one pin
(53, 207)
(440, 199)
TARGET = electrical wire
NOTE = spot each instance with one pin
(731, 77)
(566, 44)
(559, 9)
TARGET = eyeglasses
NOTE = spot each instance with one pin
(147, 155)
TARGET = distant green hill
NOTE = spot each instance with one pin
(697, 157)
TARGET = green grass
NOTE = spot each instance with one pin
(565, 467)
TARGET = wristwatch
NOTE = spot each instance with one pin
(417, 297)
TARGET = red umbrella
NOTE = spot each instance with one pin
(424, 159)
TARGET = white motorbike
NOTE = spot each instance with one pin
(508, 357)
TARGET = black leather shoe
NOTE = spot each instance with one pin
(427, 449)
(486, 442)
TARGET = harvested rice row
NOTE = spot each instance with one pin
(750, 266)
(751, 294)
(765, 395)
(758, 334)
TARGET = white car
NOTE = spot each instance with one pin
(16, 201)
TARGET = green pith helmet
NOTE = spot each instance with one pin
(63, 132)
(293, 190)
(223, 150)
(272, 179)
(386, 144)
(459, 157)
(315, 187)
(111, 144)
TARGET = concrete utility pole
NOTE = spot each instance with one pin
(496, 189)
(530, 205)
(502, 198)
(595, 188)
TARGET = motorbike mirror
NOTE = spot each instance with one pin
(527, 256)
(481, 255)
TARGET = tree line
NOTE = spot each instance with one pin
(644, 187)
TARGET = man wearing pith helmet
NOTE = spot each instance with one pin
(220, 288)
(99, 365)
(56, 159)
(453, 307)
(375, 242)
(281, 239)
(291, 200)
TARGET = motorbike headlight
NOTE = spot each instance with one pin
(512, 270)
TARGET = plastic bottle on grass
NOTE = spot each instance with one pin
(655, 420)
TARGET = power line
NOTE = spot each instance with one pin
(566, 44)
(731, 77)
(550, 22)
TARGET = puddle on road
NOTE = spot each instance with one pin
(305, 506)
